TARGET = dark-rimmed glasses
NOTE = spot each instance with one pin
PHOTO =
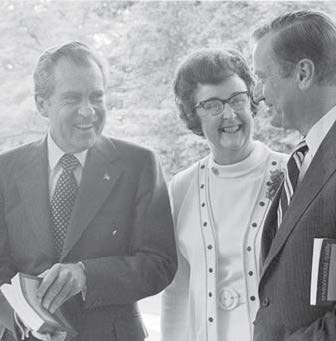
(215, 106)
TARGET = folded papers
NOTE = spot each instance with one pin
(21, 295)
(323, 276)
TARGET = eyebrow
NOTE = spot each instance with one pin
(224, 99)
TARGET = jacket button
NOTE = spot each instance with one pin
(266, 302)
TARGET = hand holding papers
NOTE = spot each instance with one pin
(21, 295)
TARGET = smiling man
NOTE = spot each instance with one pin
(87, 213)
(295, 62)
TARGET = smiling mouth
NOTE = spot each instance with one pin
(84, 126)
(230, 130)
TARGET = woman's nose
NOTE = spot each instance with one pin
(228, 112)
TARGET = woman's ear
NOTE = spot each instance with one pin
(305, 73)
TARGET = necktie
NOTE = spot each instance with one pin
(291, 179)
(63, 200)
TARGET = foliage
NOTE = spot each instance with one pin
(143, 42)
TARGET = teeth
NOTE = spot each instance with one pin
(84, 126)
(232, 129)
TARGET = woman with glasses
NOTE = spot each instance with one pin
(219, 203)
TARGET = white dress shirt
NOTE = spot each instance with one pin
(55, 169)
(315, 136)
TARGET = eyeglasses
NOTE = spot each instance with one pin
(215, 106)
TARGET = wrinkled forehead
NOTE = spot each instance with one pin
(69, 76)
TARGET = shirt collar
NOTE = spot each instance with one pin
(319, 130)
(55, 153)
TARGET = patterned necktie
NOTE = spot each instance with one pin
(291, 179)
(63, 200)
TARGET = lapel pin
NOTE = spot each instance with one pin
(106, 177)
(114, 232)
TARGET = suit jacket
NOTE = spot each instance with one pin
(121, 229)
(284, 289)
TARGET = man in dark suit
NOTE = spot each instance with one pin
(89, 214)
(294, 60)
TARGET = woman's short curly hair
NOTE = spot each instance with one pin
(207, 66)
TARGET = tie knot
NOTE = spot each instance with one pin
(301, 149)
(69, 162)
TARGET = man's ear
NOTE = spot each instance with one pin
(305, 73)
(41, 105)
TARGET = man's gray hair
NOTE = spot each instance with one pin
(303, 34)
(75, 51)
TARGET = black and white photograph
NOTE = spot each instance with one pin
(167, 170)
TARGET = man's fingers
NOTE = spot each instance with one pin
(56, 289)
(47, 281)
(44, 273)
(61, 297)
(59, 283)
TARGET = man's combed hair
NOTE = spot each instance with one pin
(206, 66)
(304, 34)
(75, 51)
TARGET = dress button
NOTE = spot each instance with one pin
(202, 167)
(274, 163)
(205, 223)
(210, 319)
(249, 248)
(250, 273)
(210, 247)
(210, 270)
(254, 224)
(266, 302)
(252, 298)
(215, 170)
(262, 203)
(202, 186)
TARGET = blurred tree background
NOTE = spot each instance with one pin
(143, 42)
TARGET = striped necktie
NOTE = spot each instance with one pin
(291, 179)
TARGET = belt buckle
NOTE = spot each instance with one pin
(228, 298)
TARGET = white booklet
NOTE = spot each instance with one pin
(21, 295)
(323, 275)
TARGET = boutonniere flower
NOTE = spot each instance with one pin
(276, 177)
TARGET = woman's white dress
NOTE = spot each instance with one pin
(218, 214)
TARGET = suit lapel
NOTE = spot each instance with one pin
(321, 168)
(100, 174)
(33, 186)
